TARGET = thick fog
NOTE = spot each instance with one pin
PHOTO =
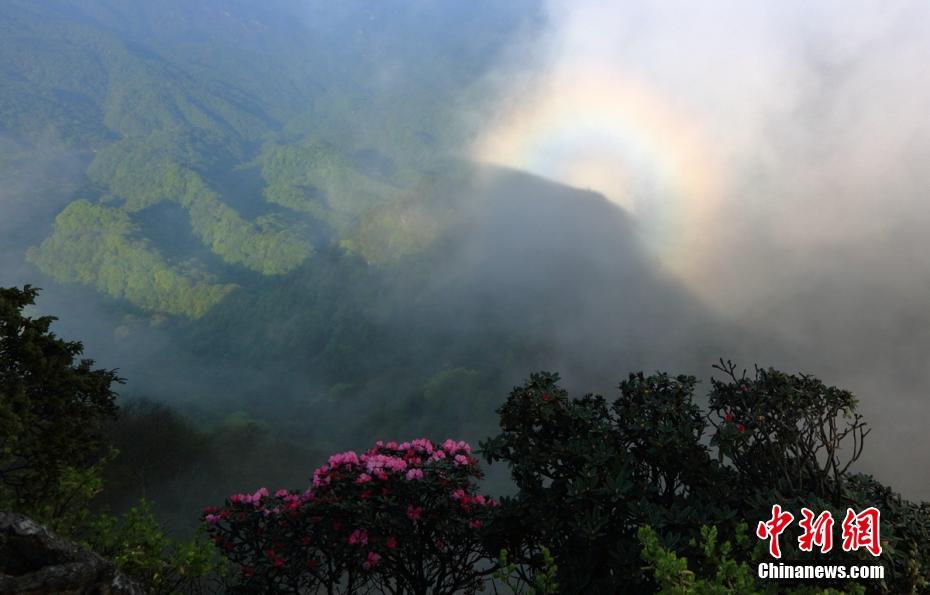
(650, 185)
(775, 155)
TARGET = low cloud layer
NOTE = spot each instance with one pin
(771, 156)
(774, 156)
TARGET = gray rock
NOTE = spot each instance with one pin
(34, 560)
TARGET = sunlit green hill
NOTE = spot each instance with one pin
(168, 104)
(246, 204)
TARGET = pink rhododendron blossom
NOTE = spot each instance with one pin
(371, 561)
(254, 499)
(320, 478)
(343, 458)
(452, 447)
(358, 537)
(292, 501)
(352, 508)
(376, 462)
(423, 445)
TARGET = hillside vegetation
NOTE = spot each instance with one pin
(165, 105)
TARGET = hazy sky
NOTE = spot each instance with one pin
(774, 156)
(777, 158)
(806, 123)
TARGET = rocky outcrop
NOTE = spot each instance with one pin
(34, 560)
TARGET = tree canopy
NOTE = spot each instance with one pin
(52, 403)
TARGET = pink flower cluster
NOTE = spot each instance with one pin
(288, 500)
(358, 537)
(254, 499)
(388, 458)
(371, 561)
(409, 471)
(451, 446)
(466, 500)
(212, 515)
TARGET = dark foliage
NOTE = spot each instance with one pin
(591, 475)
(602, 487)
(785, 431)
(55, 413)
(52, 404)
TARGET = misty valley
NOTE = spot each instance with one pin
(310, 297)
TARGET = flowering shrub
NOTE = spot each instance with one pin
(609, 486)
(590, 472)
(791, 433)
(398, 518)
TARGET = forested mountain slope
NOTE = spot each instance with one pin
(320, 107)
(264, 210)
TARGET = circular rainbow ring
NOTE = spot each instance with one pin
(610, 133)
